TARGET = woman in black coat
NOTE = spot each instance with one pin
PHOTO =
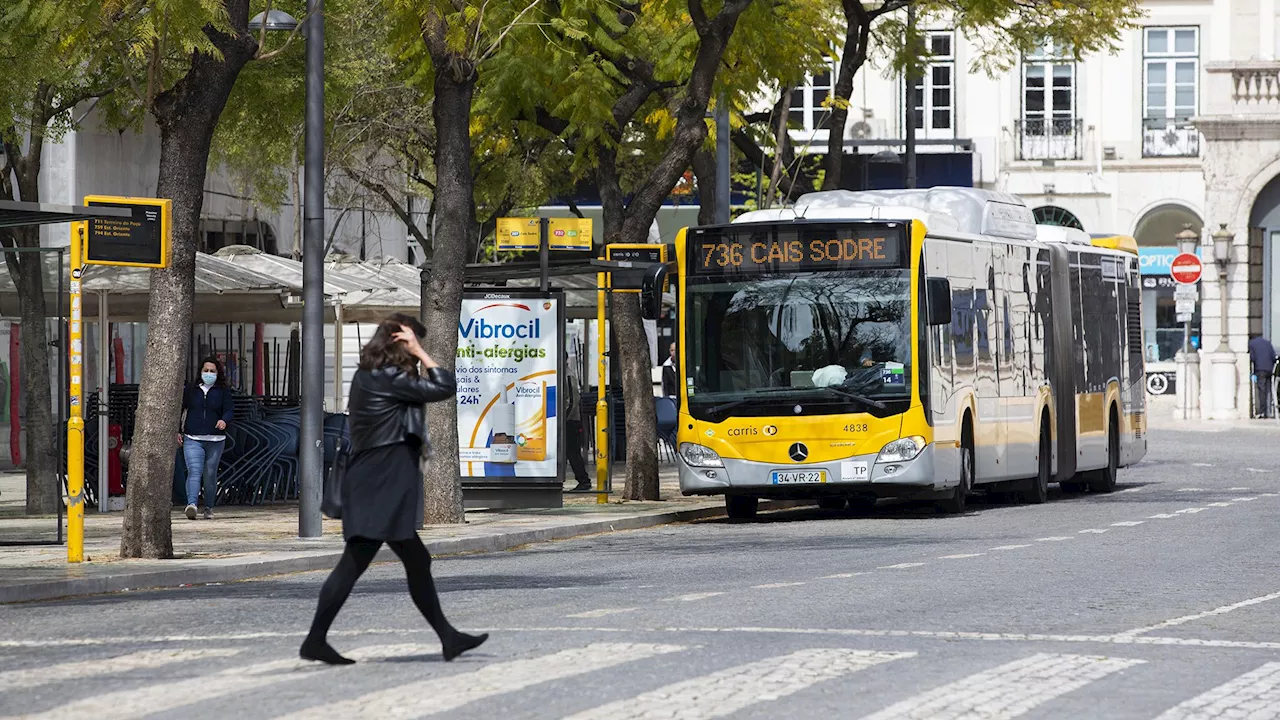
(382, 486)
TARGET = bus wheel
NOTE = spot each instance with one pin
(958, 501)
(741, 507)
(833, 503)
(1037, 488)
(1104, 480)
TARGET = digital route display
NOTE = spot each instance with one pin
(809, 247)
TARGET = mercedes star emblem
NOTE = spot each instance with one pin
(798, 452)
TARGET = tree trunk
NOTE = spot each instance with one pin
(187, 115)
(43, 493)
(689, 136)
(442, 302)
(704, 169)
(632, 352)
(857, 35)
(27, 271)
(782, 154)
(637, 388)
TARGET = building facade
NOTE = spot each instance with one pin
(1179, 126)
(96, 161)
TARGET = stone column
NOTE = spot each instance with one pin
(1225, 318)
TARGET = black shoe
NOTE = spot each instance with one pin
(582, 486)
(320, 651)
(461, 643)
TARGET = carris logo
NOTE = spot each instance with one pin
(771, 430)
(736, 432)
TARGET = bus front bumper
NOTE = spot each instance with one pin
(841, 477)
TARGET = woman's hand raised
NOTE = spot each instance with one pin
(410, 341)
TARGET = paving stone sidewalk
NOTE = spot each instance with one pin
(243, 542)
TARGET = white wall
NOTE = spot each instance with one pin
(1107, 195)
(95, 161)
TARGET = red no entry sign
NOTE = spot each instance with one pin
(1186, 269)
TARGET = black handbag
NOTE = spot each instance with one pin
(331, 502)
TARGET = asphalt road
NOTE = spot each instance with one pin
(1158, 601)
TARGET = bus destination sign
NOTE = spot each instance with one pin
(804, 248)
(140, 241)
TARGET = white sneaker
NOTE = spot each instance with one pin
(191, 512)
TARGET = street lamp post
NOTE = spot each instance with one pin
(1221, 257)
(311, 430)
(723, 197)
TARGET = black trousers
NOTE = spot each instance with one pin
(573, 446)
(355, 560)
(1262, 391)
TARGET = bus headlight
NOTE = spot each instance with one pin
(700, 456)
(902, 450)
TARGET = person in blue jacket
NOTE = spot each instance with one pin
(207, 409)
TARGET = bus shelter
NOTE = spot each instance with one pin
(32, 507)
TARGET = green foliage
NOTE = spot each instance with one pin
(1004, 30)
(55, 50)
(580, 58)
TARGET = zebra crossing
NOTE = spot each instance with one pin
(173, 682)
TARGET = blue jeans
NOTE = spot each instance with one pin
(202, 463)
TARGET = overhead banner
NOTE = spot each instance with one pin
(508, 367)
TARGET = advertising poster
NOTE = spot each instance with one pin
(508, 365)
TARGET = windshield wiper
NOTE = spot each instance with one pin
(755, 395)
(852, 395)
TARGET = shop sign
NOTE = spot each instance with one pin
(1157, 260)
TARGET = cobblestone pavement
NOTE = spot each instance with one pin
(1158, 601)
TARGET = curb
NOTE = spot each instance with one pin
(237, 569)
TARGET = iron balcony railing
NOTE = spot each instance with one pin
(1049, 139)
(1169, 137)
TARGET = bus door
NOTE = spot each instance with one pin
(989, 433)
(1063, 362)
(1000, 355)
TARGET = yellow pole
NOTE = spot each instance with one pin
(75, 424)
(602, 406)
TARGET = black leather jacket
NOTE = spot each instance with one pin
(386, 405)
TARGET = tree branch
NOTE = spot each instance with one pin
(691, 125)
(389, 198)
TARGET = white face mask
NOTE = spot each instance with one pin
(209, 378)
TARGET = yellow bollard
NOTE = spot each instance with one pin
(75, 424)
(602, 406)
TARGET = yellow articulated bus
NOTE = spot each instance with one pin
(904, 343)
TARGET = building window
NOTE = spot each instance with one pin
(1049, 128)
(810, 109)
(1170, 72)
(1050, 215)
(932, 100)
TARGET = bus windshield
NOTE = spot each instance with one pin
(802, 343)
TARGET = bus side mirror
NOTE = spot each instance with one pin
(655, 277)
(937, 293)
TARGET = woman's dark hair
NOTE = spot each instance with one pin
(383, 350)
(222, 371)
